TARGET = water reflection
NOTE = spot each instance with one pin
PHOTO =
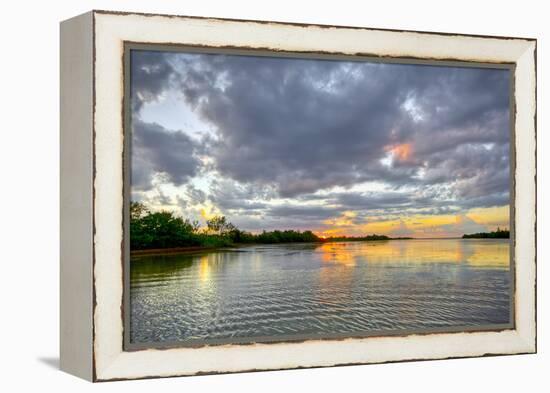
(273, 290)
(341, 253)
(204, 270)
(482, 253)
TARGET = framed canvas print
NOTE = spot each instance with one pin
(245, 195)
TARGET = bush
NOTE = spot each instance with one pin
(165, 230)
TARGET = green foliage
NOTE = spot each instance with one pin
(219, 226)
(288, 236)
(165, 230)
(498, 234)
(137, 210)
(159, 230)
(213, 241)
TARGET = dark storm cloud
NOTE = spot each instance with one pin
(157, 151)
(151, 75)
(299, 126)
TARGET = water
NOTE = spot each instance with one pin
(283, 291)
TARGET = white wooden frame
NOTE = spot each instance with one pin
(92, 47)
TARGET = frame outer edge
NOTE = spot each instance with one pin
(76, 196)
(526, 145)
(114, 366)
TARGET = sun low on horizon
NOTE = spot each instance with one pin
(423, 226)
(341, 148)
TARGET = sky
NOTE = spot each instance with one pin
(338, 147)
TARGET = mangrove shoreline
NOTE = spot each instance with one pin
(161, 233)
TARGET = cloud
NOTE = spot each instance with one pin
(302, 212)
(284, 130)
(308, 125)
(230, 195)
(162, 154)
(151, 75)
(464, 224)
(402, 230)
(301, 126)
(377, 200)
(195, 195)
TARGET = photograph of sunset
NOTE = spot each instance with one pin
(274, 198)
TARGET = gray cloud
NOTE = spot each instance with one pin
(195, 195)
(233, 196)
(308, 125)
(379, 200)
(295, 127)
(151, 75)
(157, 151)
(314, 213)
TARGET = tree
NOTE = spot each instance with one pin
(220, 226)
(160, 230)
(164, 229)
(138, 210)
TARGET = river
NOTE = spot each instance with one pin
(286, 291)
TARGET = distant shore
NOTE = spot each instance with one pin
(370, 238)
(195, 249)
(498, 234)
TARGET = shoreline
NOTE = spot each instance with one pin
(196, 249)
(173, 250)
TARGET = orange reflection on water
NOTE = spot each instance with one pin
(204, 269)
(343, 262)
(480, 253)
(489, 254)
(339, 253)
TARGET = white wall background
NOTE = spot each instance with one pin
(29, 195)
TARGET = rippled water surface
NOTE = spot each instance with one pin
(331, 288)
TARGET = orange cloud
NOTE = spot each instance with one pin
(401, 152)
(421, 226)
(492, 217)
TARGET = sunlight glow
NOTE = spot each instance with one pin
(418, 226)
(204, 269)
(475, 253)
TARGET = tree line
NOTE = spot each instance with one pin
(360, 238)
(157, 230)
(498, 234)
